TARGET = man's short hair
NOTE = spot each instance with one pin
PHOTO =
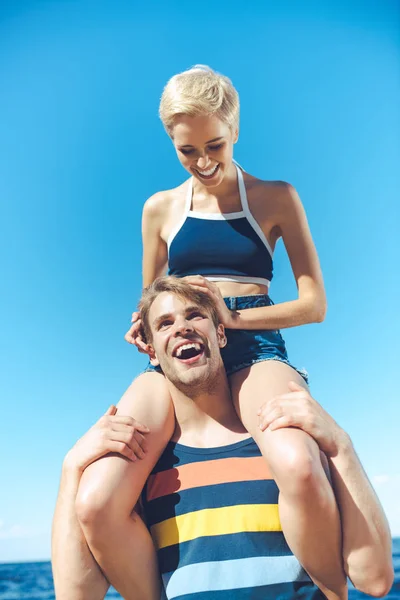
(180, 288)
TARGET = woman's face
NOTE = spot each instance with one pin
(204, 146)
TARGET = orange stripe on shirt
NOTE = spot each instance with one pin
(210, 472)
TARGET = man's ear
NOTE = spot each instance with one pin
(152, 356)
(236, 135)
(222, 341)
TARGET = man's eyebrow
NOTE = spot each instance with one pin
(158, 320)
(189, 309)
(209, 142)
(195, 308)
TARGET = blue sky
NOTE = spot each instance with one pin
(81, 148)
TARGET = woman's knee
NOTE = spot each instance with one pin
(109, 490)
(100, 518)
(94, 506)
(294, 458)
(110, 487)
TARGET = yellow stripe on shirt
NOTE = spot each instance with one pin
(216, 521)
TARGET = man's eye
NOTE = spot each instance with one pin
(165, 324)
(196, 315)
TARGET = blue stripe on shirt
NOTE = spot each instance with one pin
(222, 547)
(223, 494)
(233, 575)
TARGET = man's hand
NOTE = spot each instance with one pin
(298, 409)
(111, 433)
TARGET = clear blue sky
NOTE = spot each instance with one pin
(81, 148)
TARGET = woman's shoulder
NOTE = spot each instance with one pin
(266, 185)
(271, 193)
(166, 197)
(162, 202)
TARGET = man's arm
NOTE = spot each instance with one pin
(367, 545)
(76, 574)
(367, 548)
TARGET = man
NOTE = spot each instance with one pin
(210, 502)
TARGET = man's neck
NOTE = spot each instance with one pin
(206, 418)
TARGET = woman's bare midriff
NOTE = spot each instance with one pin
(231, 288)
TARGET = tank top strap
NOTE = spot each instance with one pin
(186, 210)
(188, 199)
(242, 190)
(235, 162)
(245, 206)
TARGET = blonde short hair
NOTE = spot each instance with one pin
(199, 91)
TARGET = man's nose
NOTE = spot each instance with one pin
(182, 326)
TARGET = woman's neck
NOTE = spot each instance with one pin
(227, 188)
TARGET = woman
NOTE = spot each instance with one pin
(219, 229)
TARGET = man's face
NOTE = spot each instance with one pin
(186, 342)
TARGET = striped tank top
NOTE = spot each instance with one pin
(213, 516)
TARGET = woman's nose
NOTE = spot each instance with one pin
(202, 161)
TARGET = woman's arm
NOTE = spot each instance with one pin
(155, 259)
(310, 306)
(155, 253)
(290, 221)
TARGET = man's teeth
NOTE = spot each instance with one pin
(209, 172)
(187, 347)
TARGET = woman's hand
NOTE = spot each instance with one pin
(298, 409)
(111, 433)
(227, 317)
(135, 335)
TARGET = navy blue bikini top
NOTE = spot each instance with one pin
(220, 246)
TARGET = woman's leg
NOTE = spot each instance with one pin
(307, 506)
(110, 489)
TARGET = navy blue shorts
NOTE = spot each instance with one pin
(246, 347)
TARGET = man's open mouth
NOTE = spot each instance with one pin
(189, 352)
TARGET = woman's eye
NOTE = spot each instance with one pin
(212, 148)
(186, 150)
(216, 147)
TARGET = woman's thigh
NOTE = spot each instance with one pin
(115, 482)
(253, 386)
